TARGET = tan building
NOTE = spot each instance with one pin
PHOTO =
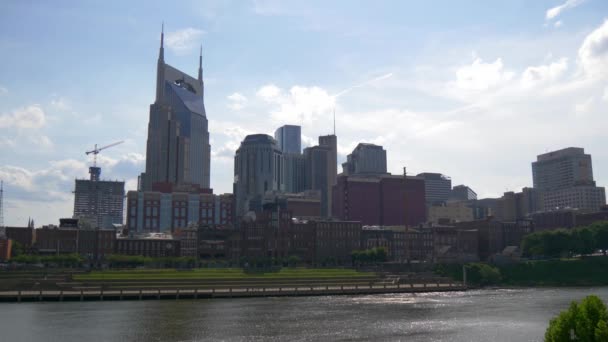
(451, 212)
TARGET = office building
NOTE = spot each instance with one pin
(294, 172)
(365, 159)
(258, 168)
(154, 211)
(562, 169)
(331, 142)
(318, 160)
(380, 200)
(450, 212)
(98, 203)
(178, 149)
(437, 187)
(462, 193)
(564, 179)
(289, 139)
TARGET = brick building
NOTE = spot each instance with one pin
(153, 245)
(380, 200)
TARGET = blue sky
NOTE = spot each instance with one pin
(471, 89)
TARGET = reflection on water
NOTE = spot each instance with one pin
(485, 315)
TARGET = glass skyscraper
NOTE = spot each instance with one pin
(178, 150)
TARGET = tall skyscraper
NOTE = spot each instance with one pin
(294, 172)
(331, 142)
(178, 150)
(437, 187)
(564, 178)
(258, 168)
(562, 169)
(318, 160)
(365, 159)
(98, 203)
(289, 139)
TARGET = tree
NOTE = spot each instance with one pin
(601, 237)
(584, 322)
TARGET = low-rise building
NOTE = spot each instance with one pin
(153, 245)
(450, 212)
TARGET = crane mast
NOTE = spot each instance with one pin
(95, 171)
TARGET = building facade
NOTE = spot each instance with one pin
(318, 162)
(289, 139)
(462, 193)
(153, 211)
(365, 159)
(381, 200)
(97, 203)
(258, 168)
(450, 212)
(437, 187)
(178, 149)
(564, 179)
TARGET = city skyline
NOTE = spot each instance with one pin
(446, 128)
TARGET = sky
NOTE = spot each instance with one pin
(471, 89)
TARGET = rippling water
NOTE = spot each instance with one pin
(485, 315)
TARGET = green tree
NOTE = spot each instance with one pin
(584, 322)
(601, 237)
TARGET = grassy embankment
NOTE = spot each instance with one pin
(591, 271)
(222, 273)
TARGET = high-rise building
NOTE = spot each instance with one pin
(562, 169)
(178, 149)
(437, 187)
(564, 179)
(462, 193)
(331, 142)
(258, 168)
(318, 160)
(365, 159)
(294, 172)
(98, 203)
(289, 139)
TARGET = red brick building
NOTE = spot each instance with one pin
(383, 200)
(5, 249)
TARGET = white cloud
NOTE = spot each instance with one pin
(558, 24)
(554, 12)
(27, 117)
(3, 91)
(268, 92)
(605, 95)
(540, 74)
(299, 105)
(183, 41)
(237, 101)
(61, 103)
(584, 107)
(478, 77)
(593, 53)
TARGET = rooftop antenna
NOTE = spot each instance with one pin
(334, 120)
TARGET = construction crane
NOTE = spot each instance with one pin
(96, 151)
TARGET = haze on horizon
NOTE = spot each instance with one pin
(471, 90)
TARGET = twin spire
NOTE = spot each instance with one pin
(161, 54)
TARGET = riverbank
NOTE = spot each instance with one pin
(588, 271)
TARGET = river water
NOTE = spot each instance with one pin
(478, 315)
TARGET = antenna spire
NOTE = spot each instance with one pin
(161, 54)
(334, 120)
(200, 65)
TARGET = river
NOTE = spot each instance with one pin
(477, 315)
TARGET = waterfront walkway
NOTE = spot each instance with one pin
(229, 292)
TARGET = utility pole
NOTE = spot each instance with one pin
(405, 218)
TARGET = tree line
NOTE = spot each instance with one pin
(566, 243)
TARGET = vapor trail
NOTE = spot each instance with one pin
(379, 78)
